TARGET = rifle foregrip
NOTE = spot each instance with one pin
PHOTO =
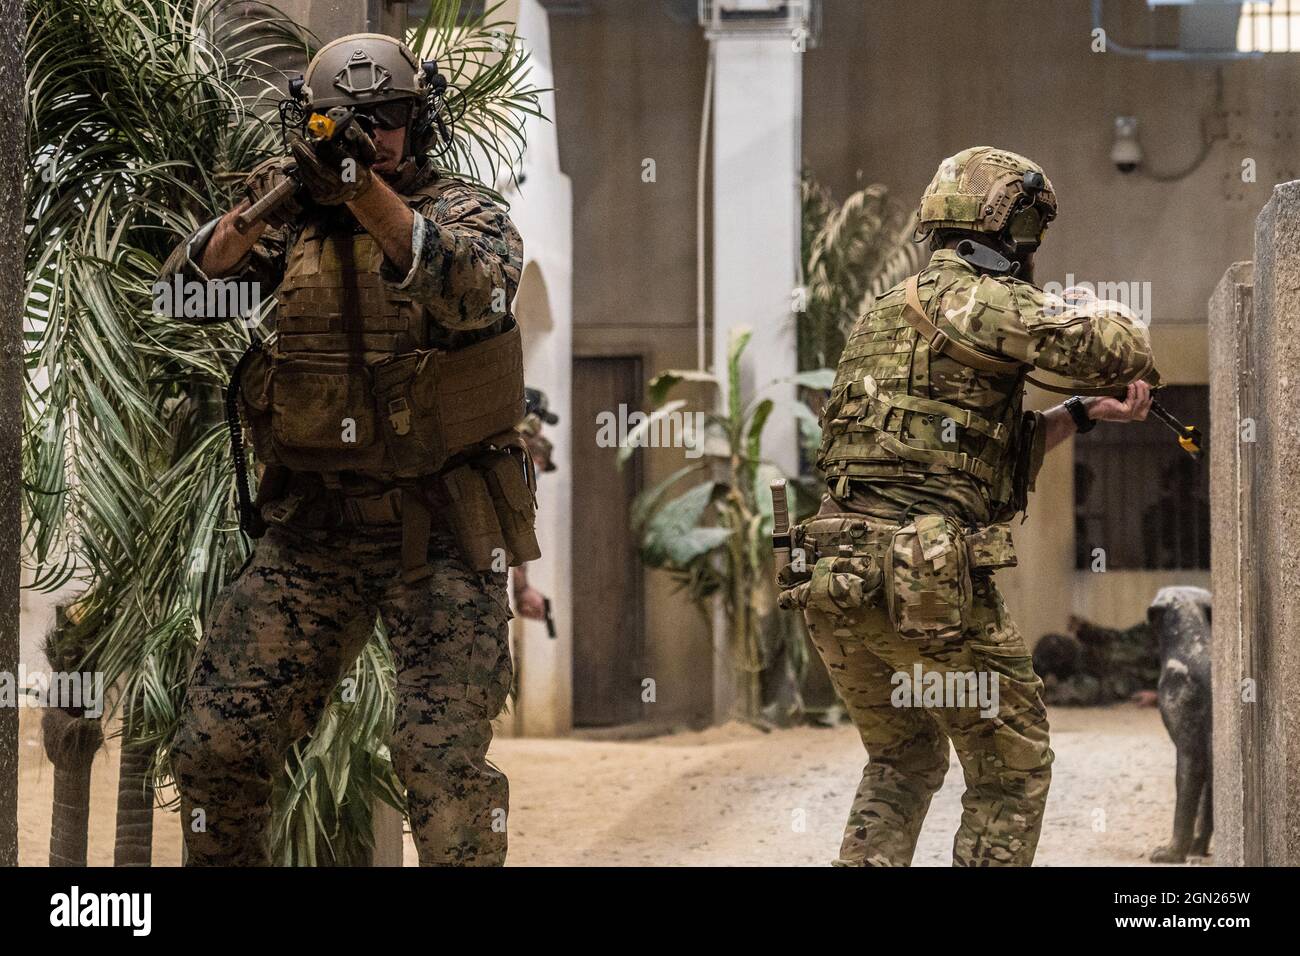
(266, 205)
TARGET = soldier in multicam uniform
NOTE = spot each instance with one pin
(394, 484)
(928, 455)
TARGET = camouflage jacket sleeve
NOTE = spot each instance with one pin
(467, 259)
(1099, 343)
(263, 264)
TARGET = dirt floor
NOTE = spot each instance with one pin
(734, 795)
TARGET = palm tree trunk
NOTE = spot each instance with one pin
(134, 842)
(12, 126)
(70, 743)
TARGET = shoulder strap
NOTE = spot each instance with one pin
(939, 341)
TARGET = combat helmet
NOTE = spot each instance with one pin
(992, 191)
(382, 78)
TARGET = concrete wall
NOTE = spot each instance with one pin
(896, 86)
(541, 206)
(1236, 724)
(892, 88)
(1256, 639)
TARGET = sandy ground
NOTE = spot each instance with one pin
(733, 795)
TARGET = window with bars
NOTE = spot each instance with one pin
(1138, 497)
(1269, 27)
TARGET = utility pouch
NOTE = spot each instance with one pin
(323, 417)
(474, 518)
(254, 391)
(410, 419)
(480, 390)
(991, 548)
(927, 579)
(511, 484)
(838, 585)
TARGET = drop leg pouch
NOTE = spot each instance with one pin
(474, 519)
(927, 579)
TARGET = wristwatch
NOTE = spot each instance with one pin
(1079, 412)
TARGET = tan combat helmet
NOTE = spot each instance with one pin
(381, 78)
(983, 189)
(360, 70)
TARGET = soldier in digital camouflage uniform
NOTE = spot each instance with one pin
(928, 455)
(394, 484)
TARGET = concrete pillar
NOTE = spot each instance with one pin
(1236, 734)
(542, 210)
(757, 114)
(1257, 580)
(757, 111)
(331, 19)
(387, 825)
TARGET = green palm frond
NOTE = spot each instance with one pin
(489, 97)
(852, 252)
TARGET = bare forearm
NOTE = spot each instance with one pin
(228, 245)
(387, 218)
(1059, 426)
(1133, 407)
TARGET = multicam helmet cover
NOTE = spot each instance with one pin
(989, 190)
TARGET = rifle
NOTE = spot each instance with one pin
(1189, 436)
(1190, 439)
(338, 125)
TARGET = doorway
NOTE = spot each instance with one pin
(608, 592)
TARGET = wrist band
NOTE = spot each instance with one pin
(1079, 412)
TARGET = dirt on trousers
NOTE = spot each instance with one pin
(731, 795)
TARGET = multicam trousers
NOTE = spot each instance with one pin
(1005, 757)
(284, 634)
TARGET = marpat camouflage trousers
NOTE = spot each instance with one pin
(284, 634)
(1005, 758)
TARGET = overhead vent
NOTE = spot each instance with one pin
(792, 17)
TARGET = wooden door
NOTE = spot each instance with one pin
(608, 619)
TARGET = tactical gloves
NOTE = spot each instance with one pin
(335, 170)
(264, 178)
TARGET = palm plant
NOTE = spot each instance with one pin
(851, 253)
(142, 115)
(713, 538)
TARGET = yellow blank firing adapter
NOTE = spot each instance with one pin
(321, 126)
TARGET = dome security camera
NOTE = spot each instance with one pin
(1126, 151)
